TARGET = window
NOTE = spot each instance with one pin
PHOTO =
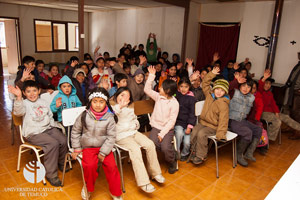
(54, 36)
(2, 35)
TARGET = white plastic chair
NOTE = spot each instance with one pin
(230, 137)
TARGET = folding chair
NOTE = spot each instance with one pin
(279, 131)
(25, 146)
(230, 137)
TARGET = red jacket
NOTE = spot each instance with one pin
(54, 80)
(268, 99)
(257, 108)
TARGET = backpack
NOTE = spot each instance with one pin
(264, 140)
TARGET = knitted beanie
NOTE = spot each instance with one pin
(77, 71)
(221, 83)
(139, 71)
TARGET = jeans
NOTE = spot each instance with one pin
(181, 136)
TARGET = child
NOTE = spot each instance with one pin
(100, 71)
(127, 68)
(121, 81)
(196, 86)
(129, 138)
(170, 75)
(240, 106)
(186, 119)
(94, 135)
(53, 76)
(228, 71)
(39, 64)
(213, 118)
(151, 48)
(66, 98)
(270, 111)
(163, 117)
(135, 84)
(39, 128)
(73, 61)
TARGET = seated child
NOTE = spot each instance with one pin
(171, 74)
(127, 68)
(100, 71)
(66, 98)
(271, 112)
(40, 129)
(213, 118)
(40, 65)
(129, 138)
(72, 62)
(239, 107)
(53, 75)
(94, 134)
(196, 86)
(186, 119)
(121, 81)
(163, 117)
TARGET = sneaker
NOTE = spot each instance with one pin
(159, 178)
(197, 161)
(184, 158)
(61, 168)
(149, 188)
(83, 195)
(173, 167)
(116, 198)
(54, 181)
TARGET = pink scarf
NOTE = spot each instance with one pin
(98, 115)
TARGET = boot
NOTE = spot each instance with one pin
(241, 147)
(250, 150)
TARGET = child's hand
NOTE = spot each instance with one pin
(154, 36)
(50, 91)
(58, 102)
(267, 74)
(236, 66)
(195, 75)
(112, 63)
(179, 65)
(142, 59)
(159, 138)
(26, 74)
(74, 63)
(188, 131)
(123, 102)
(246, 60)
(96, 49)
(104, 84)
(277, 115)
(216, 70)
(159, 49)
(101, 158)
(135, 46)
(16, 91)
(241, 80)
(216, 57)
(152, 69)
(189, 61)
(236, 75)
(74, 155)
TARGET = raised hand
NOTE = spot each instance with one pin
(26, 74)
(134, 47)
(246, 60)
(151, 69)
(124, 102)
(154, 36)
(179, 66)
(104, 84)
(236, 75)
(112, 63)
(189, 61)
(142, 59)
(216, 70)
(267, 74)
(15, 90)
(97, 49)
(58, 102)
(159, 49)
(236, 66)
(241, 80)
(150, 35)
(216, 57)
(195, 75)
(74, 63)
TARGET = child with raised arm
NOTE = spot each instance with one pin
(40, 129)
(163, 117)
(94, 134)
(214, 116)
(130, 138)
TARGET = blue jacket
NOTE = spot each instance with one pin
(240, 105)
(71, 101)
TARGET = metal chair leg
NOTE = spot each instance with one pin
(12, 133)
(19, 158)
(64, 171)
(121, 169)
(233, 156)
(217, 160)
(279, 135)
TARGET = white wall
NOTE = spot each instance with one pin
(256, 19)
(26, 14)
(12, 47)
(112, 29)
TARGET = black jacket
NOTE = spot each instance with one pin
(186, 113)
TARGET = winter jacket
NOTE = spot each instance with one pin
(54, 80)
(97, 75)
(98, 133)
(165, 110)
(37, 116)
(127, 121)
(215, 113)
(228, 73)
(257, 108)
(268, 99)
(137, 90)
(186, 116)
(71, 101)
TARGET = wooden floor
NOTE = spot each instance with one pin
(190, 182)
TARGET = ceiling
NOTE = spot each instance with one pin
(108, 5)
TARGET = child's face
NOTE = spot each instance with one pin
(165, 56)
(80, 77)
(139, 78)
(248, 66)
(89, 63)
(98, 104)
(54, 70)
(172, 71)
(122, 59)
(184, 88)
(31, 93)
(127, 70)
(243, 74)
(196, 83)
(219, 92)
(230, 65)
(203, 74)
(146, 76)
(122, 83)
(245, 89)
(132, 61)
(254, 89)
(175, 58)
(40, 67)
(66, 88)
(125, 96)
(151, 46)
(158, 67)
(30, 65)
(85, 69)
(106, 56)
(267, 85)
(100, 63)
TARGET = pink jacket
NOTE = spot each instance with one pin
(165, 110)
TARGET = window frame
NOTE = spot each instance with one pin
(52, 36)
